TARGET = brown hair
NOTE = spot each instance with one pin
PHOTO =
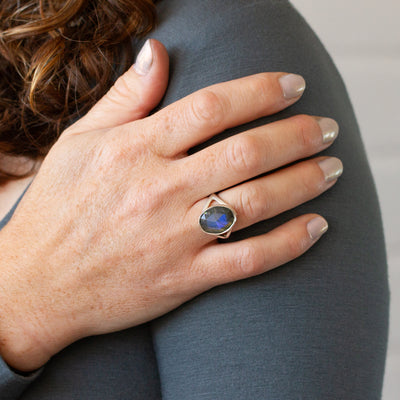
(57, 58)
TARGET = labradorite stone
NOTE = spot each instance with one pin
(216, 219)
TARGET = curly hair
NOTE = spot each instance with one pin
(57, 58)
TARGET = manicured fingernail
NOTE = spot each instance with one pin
(292, 85)
(144, 59)
(329, 128)
(317, 227)
(332, 168)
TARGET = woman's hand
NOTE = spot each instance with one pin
(107, 236)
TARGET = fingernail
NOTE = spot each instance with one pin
(332, 168)
(292, 85)
(329, 128)
(144, 59)
(317, 227)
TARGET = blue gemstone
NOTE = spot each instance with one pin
(217, 219)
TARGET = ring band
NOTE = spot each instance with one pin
(217, 220)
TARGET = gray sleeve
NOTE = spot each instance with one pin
(13, 384)
(317, 327)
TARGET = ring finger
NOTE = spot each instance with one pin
(270, 195)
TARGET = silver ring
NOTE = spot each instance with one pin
(218, 219)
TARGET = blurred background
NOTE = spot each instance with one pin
(363, 38)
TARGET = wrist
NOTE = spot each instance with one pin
(22, 353)
(25, 340)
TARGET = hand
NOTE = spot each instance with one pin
(107, 236)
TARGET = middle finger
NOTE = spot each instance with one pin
(256, 151)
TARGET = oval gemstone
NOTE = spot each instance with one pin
(217, 219)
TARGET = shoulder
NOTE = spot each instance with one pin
(224, 20)
(210, 41)
(196, 15)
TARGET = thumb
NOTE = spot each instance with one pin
(134, 94)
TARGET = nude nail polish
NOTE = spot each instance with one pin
(292, 85)
(332, 168)
(329, 128)
(317, 227)
(144, 59)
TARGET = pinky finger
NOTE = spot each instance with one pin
(228, 262)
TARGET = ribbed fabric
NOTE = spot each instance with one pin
(13, 384)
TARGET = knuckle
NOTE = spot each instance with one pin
(247, 260)
(111, 156)
(121, 92)
(296, 245)
(243, 153)
(304, 129)
(261, 87)
(207, 107)
(119, 149)
(252, 203)
(150, 198)
(310, 181)
(136, 153)
(310, 187)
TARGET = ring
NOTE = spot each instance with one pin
(217, 220)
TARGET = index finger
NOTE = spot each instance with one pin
(206, 112)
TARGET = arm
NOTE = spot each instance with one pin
(316, 328)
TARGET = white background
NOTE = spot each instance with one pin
(363, 37)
